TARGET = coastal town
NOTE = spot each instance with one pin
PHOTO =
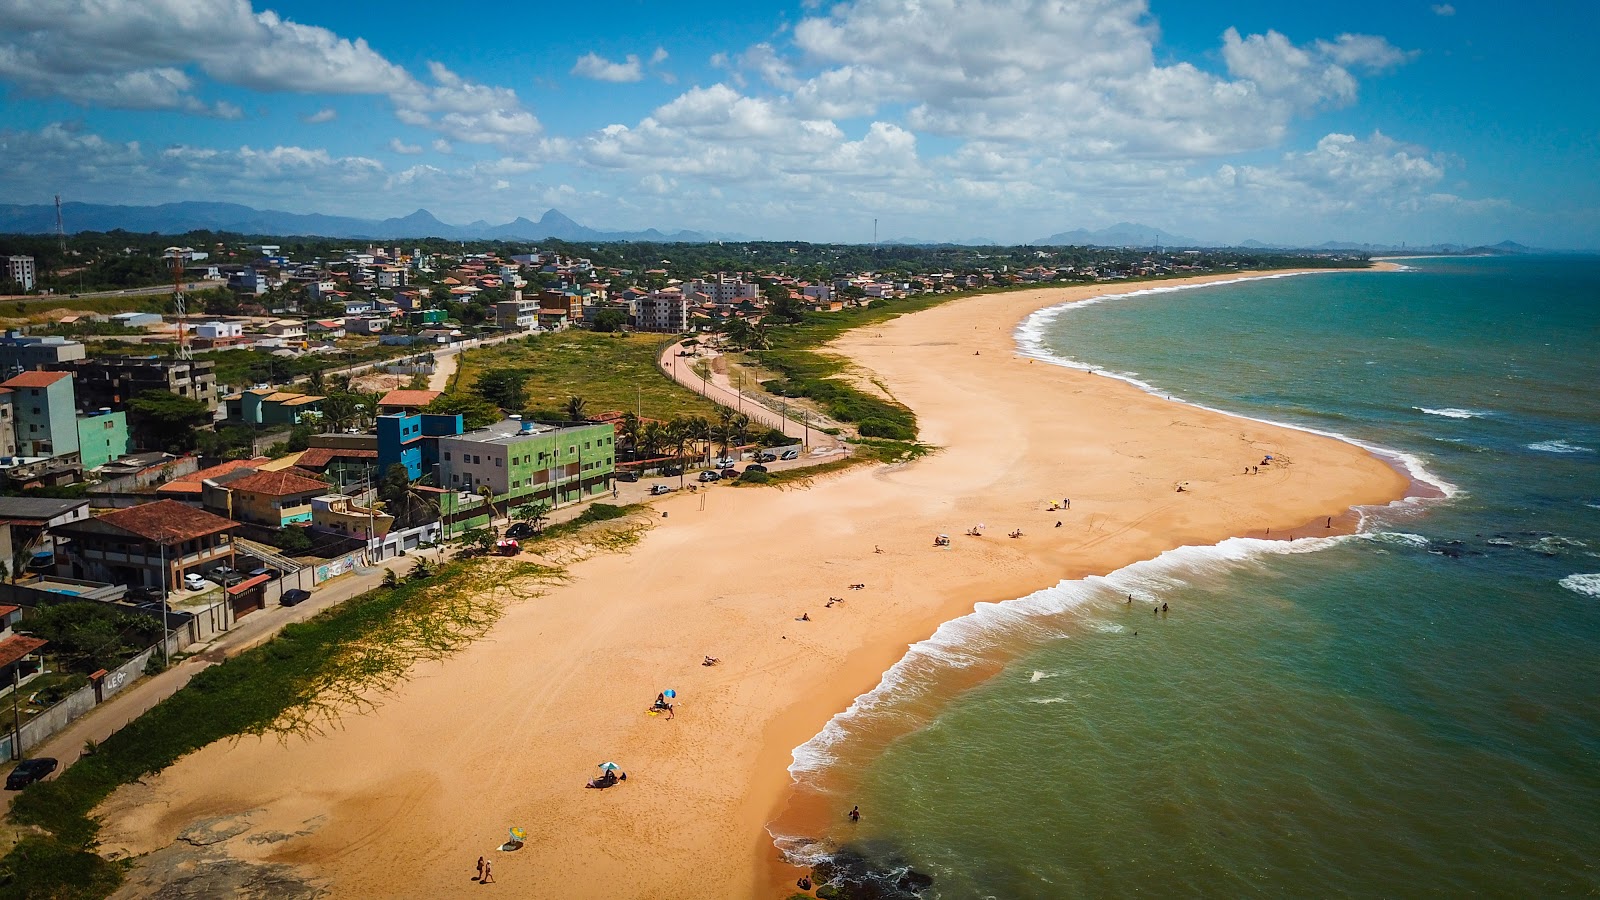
(266, 440)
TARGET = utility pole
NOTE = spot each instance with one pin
(61, 232)
(166, 633)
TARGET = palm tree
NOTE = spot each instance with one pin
(652, 437)
(741, 427)
(316, 382)
(680, 432)
(575, 409)
(630, 433)
(700, 430)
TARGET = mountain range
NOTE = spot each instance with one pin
(1122, 234)
(178, 218)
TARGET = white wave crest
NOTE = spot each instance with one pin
(1587, 584)
(1030, 342)
(1044, 700)
(1039, 676)
(965, 641)
(1450, 412)
(1559, 447)
(1395, 537)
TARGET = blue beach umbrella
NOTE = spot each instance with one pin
(669, 693)
(609, 766)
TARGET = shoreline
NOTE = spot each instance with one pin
(502, 733)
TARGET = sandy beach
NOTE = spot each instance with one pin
(400, 802)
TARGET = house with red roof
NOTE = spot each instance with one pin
(152, 545)
(273, 499)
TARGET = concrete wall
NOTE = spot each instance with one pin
(53, 720)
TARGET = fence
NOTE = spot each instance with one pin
(42, 726)
(335, 567)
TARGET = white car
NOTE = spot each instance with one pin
(790, 454)
(194, 582)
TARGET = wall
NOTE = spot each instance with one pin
(333, 568)
(58, 717)
(102, 439)
(155, 475)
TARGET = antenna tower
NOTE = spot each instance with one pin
(178, 305)
(61, 232)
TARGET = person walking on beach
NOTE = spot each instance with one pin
(855, 813)
(479, 876)
(488, 874)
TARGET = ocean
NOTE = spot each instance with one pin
(1413, 710)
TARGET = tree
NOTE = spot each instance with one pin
(534, 514)
(609, 320)
(652, 437)
(475, 411)
(787, 309)
(476, 540)
(86, 637)
(340, 410)
(680, 432)
(390, 578)
(575, 407)
(299, 438)
(504, 388)
(292, 540)
(630, 433)
(166, 420)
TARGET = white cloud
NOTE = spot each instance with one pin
(467, 110)
(1443, 9)
(326, 114)
(133, 54)
(592, 65)
(658, 57)
(440, 145)
(398, 146)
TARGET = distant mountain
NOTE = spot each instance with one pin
(1122, 234)
(177, 218)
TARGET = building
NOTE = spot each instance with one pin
(723, 291)
(20, 270)
(399, 401)
(8, 424)
(273, 499)
(102, 437)
(112, 381)
(516, 315)
(247, 281)
(264, 406)
(524, 461)
(219, 330)
(19, 653)
(153, 545)
(355, 306)
(24, 526)
(340, 515)
(339, 466)
(46, 413)
(187, 488)
(665, 310)
(390, 277)
(419, 317)
(412, 439)
(136, 319)
(21, 353)
(365, 324)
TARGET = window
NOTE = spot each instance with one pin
(36, 410)
(447, 456)
(497, 462)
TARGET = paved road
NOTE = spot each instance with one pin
(719, 390)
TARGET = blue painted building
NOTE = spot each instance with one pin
(412, 440)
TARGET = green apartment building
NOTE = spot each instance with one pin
(524, 462)
(102, 438)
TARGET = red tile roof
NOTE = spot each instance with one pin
(8, 610)
(36, 379)
(409, 398)
(17, 646)
(190, 484)
(319, 457)
(283, 483)
(164, 521)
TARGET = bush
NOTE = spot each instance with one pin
(292, 540)
(879, 428)
(754, 477)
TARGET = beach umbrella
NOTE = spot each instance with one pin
(609, 766)
(517, 834)
(669, 693)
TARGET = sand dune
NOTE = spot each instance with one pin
(401, 802)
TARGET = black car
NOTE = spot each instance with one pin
(294, 596)
(628, 476)
(145, 595)
(28, 771)
(672, 470)
(755, 467)
(768, 457)
(520, 531)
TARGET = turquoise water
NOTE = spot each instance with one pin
(1414, 711)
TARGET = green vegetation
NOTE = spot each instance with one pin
(86, 637)
(166, 420)
(241, 368)
(300, 681)
(610, 371)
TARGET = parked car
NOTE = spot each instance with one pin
(520, 531)
(672, 470)
(145, 594)
(767, 457)
(657, 490)
(790, 454)
(227, 576)
(28, 771)
(709, 475)
(628, 475)
(194, 582)
(293, 597)
(755, 467)
(726, 463)
(268, 571)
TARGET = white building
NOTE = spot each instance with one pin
(219, 330)
(517, 315)
(724, 291)
(819, 292)
(20, 270)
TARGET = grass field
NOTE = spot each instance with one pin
(609, 371)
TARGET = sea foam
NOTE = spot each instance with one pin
(1010, 625)
(1587, 584)
(1030, 340)
(1559, 447)
(1451, 412)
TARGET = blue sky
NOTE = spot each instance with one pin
(1001, 119)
